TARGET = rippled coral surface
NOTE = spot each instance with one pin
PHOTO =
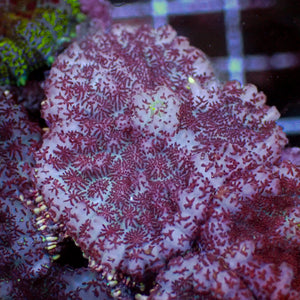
(152, 165)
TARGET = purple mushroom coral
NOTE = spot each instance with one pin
(153, 166)
(22, 253)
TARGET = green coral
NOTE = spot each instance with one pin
(12, 62)
(30, 43)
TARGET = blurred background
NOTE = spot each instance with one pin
(254, 41)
